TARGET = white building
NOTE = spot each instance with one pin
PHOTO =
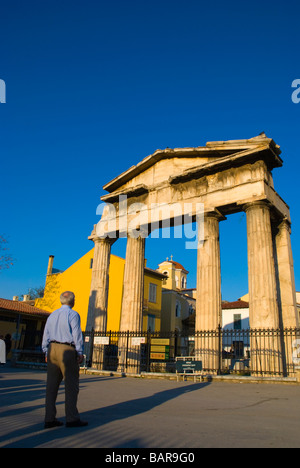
(235, 336)
(235, 315)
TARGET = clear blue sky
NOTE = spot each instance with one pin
(94, 86)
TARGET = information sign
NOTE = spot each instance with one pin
(101, 340)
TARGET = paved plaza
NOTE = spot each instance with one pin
(142, 413)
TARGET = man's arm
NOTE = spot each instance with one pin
(77, 333)
(46, 341)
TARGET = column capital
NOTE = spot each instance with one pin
(97, 240)
(139, 234)
(256, 204)
(285, 224)
(215, 214)
(104, 240)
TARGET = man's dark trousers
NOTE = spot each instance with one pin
(62, 365)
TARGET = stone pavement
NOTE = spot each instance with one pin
(141, 413)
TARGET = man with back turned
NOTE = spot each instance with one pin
(63, 346)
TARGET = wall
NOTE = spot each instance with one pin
(152, 308)
(228, 318)
(169, 300)
(78, 279)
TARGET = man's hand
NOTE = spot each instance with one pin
(80, 358)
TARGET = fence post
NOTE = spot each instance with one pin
(148, 351)
(127, 347)
(91, 347)
(220, 349)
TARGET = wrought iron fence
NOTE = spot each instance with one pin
(267, 352)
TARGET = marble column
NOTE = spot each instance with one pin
(286, 277)
(266, 354)
(209, 301)
(132, 304)
(261, 267)
(98, 302)
(286, 290)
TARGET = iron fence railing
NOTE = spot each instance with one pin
(268, 352)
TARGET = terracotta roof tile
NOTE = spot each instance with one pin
(235, 305)
(22, 307)
(178, 266)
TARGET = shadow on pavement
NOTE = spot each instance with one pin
(35, 437)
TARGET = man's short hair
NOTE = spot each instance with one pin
(67, 298)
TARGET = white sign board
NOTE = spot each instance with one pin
(137, 341)
(101, 340)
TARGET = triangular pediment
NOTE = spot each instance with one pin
(174, 164)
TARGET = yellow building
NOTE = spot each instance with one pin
(78, 278)
(178, 303)
(176, 275)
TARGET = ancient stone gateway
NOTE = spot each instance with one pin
(201, 184)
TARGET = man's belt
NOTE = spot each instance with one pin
(66, 344)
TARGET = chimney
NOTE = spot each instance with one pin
(26, 297)
(16, 298)
(50, 265)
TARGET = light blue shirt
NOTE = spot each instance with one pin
(63, 326)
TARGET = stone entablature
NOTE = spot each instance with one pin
(238, 175)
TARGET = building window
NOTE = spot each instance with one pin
(238, 349)
(91, 263)
(153, 293)
(237, 321)
(165, 280)
(151, 323)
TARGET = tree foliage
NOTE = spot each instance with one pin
(6, 261)
(34, 293)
